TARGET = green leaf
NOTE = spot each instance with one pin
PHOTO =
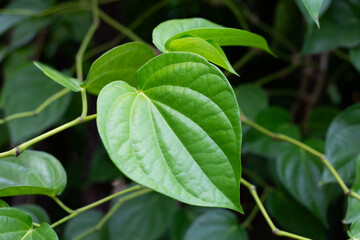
(119, 63)
(84, 222)
(3, 204)
(188, 112)
(353, 206)
(354, 55)
(293, 217)
(32, 172)
(37, 213)
(342, 144)
(68, 82)
(151, 211)
(31, 89)
(354, 232)
(216, 224)
(313, 7)
(16, 224)
(300, 173)
(208, 49)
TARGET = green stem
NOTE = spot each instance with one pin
(97, 203)
(238, 14)
(324, 160)
(111, 212)
(86, 40)
(40, 108)
(19, 149)
(272, 226)
(118, 26)
(84, 103)
(62, 205)
(255, 210)
(35, 224)
(276, 75)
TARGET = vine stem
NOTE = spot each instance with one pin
(94, 25)
(111, 212)
(321, 156)
(21, 148)
(62, 205)
(99, 202)
(276, 75)
(39, 109)
(261, 207)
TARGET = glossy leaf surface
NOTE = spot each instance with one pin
(66, 81)
(32, 88)
(32, 172)
(151, 211)
(216, 224)
(342, 144)
(169, 134)
(84, 222)
(353, 205)
(119, 63)
(37, 213)
(16, 224)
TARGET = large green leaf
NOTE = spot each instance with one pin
(84, 222)
(169, 134)
(354, 232)
(342, 144)
(16, 224)
(209, 49)
(119, 63)
(293, 217)
(32, 172)
(151, 211)
(37, 213)
(216, 224)
(31, 89)
(353, 206)
(300, 173)
(355, 57)
(66, 81)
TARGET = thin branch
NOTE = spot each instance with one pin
(272, 226)
(276, 75)
(62, 205)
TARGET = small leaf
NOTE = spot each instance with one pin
(313, 7)
(355, 57)
(151, 211)
(354, 232)
(16, 224)
(119, 63)
(37, 213)
(32, 172)
(3, 204)
(188, 112)
(353, 206)
(342, 144)
(208, 49)
(68, 82)
(216, 224)
(84, 222)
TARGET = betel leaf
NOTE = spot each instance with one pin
(354, 232)
(354, 55)
(208, 49)
(169, 134)
(32, 172)
(16, 224)
(152, 212)
(3, 204)
(300, 173)
(353, 206)
(85, 221)
(342, 144)
(216, 224)
(313, 7)
(37, 213)
(66, 81)
(119, 63)
(32, 88)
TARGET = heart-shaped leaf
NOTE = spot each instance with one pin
(342, 144)
(216, 224)
(119, 63)
(68, 82)
(169, 134)
(208, 49)
(16, 224)
(32, 172)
